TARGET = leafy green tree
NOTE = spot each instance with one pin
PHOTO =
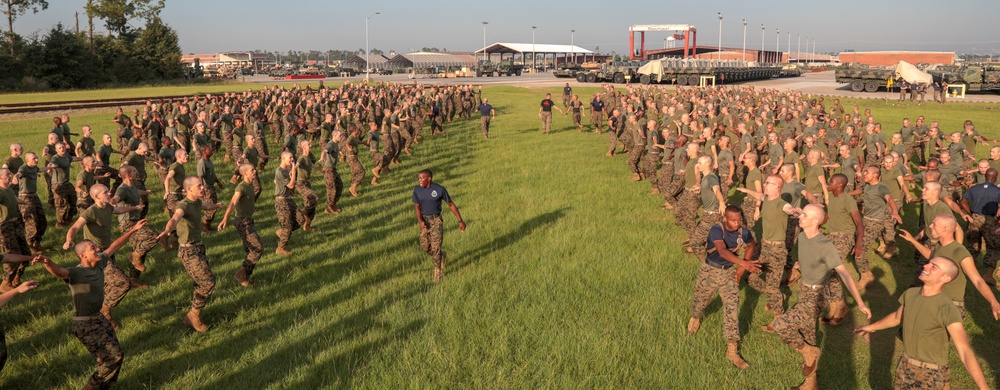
(118, 13)
(64, 62)
(14, 8)
(159, 48)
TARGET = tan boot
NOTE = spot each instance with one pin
(636, 177)
(193, 319)
(838, 312)
(793, 276)
(693, 325)
(241, 277)
(136, 261)
(5, 286)
(16, 281)
(733, 354)
(811, 383)
(354, 190)
(988, 276)
(106, 311)
(890, 251)
(282, 251)
(866, 279)
(136, 284)
(810, 358)
(437, 274)
(654, 191)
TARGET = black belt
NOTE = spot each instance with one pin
(719, 266)
(432, 215)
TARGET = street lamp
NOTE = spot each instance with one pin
(367, 51)
(807, 45)
(572, 43)
(788, 46)
(761, 56)
(777, 45)
(744, 39)
(533, 48)
(486, 56)
(719, 55)
(798, 51)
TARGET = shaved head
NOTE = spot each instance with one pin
(191, 182)
(948, 223)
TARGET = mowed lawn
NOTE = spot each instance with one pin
(568, 276)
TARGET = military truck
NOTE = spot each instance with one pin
(864, 78)
(618, 72)
(976, 78)
(567, 70)
(506, 67)
(691, 71)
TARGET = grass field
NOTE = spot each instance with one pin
(568, 276)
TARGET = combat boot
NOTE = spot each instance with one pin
(810, 358)
(16, 281)
(134, 283)
(354, 190)
(866, 279)
(890, 251)
(241, 277)
(5, 286)
(136, 261)
(693, 325)
(838, 312)
(376, 171)
(654, 191)
(811, 383)
(733, 354)
(636, 177)
(437, 274)
(106, 311)
(193, 319)
(282, 251)
(988, 276)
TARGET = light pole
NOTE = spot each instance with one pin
(761, 56)
(486, 56)
(798, 52)
(744, 39)
(777, 45)
(807, 46)
(572, 43)
(533, 49)
(367, 51)
(719, 55)
(788, 46)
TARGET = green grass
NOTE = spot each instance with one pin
(568, 276)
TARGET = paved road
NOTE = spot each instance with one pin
(819, 83)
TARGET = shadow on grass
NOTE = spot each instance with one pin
(514, 236)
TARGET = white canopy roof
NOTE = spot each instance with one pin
(500, 47)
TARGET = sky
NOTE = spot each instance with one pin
(969, 26)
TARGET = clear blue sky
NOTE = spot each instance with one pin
(966, 26)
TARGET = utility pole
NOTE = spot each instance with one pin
(744, 39)
(719, 53)
(761, 56)
(486, 55)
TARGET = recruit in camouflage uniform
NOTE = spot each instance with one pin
(144, 238)
(289, 217)
(11, 233)
(303, 186)
(331, 179)
(243, 202)
(774, 214)
(33, 214)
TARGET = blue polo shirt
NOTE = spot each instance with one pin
(732, 240)
(983, 198)
(430, 198)
(485, 109)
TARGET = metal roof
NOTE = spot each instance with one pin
(426, 60)
(375, 60)
(501, 47)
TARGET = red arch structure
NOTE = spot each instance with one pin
(690, 38)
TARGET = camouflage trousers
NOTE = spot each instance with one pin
(797, 326)
(978, 233)
(675, 189)
(648, 169)
(664, 179)
(546, 121)
(357, 170)
(105, 170)
(251, 243)
(97, 335)
(35, 222)
(289, 219)
(710, 281)
(142, 241)
(612, 140)
(437, 124)
(65, 198)
(597, 119)
(688, 202)
(116, 284)
(309, 200)
(334, 186)
(845, 246)
(432, 237)
(875, 229)
(951, 192)
(196, 264)
(698, 240)
(12, 236)
(990, 232)
(378, 160)
(634, 156)
(791, 236)
(48, 188)
(873, 160)
(208, 216)
(141, 186)
(83, 201)
(911, 376)
(407, 137)
(750, 206)
(773, 256)
(484, 124)
(170, 203)
(578, 120)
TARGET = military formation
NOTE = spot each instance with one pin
(362, 125)
(778, 188)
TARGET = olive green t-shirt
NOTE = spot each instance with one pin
(88, 181)
(924, 325)
(950, 171)
(305, 166)
(87, 288)
(245, 204)
(138, 162)
(813, 174)
(889, 177)
(689, 172)
(60, 174)
(206, 169)
(281, 179)
(775, 219)
(29, 179)
(839, 211)
(708, 200)
(754, 176)
(189, 227)
(931, 212)
(725, 157)
(332, 154)
(251, 156)
(817, 258)
(955, 252)
(98, 226)
(128, 196)
(8, 205)
(177, 182)
(791, 192)
(792, 158)
(873, 198)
